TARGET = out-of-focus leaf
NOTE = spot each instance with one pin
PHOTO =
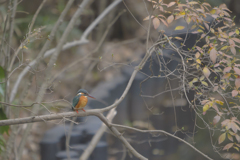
(237, 31)
(227, 75)
(237, 83)
(236, 40)
(170, 19)
(147, 18)
(206, 72)
(224, 47)
(216, 119)
(230, 137)
(234, 93)
(221, 138)
(228, 146)
(233, 50)
(237, 70)
(219, 102)
(227, 69)
(179, 28)
(156, 22)
(213, 55)
(171, 4)
(3, 117)
(206, 107)
(198, 61)
(237, 137)
(204, 83)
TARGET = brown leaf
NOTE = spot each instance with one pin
(156, 23)
(206, 72)
(228, 146)
(237, 83)
(236, 70)
(221, 138)
(234, 93)
(213, 55)
(170, 19)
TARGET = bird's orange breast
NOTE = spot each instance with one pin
(82, 102)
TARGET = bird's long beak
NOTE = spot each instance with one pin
(91, 96)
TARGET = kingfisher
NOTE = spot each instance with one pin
(80, 100)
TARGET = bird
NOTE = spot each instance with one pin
(80, 100)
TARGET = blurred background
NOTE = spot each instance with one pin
(105, 73)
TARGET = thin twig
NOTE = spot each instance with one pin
(164, 132)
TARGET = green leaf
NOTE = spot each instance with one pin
(3, 117)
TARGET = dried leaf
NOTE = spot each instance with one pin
(206, 107)
(224, 47)
(234, 127)
(228, 146)
(194, 80)
(170, 19)
(236, 40)
(206, 72)
(221, 138)
(219, 102)
(198, 61)
(179, 28)
(237, 137)
(227, 69)
(216, 119)
(227, 75)
(204, 102)
(164, 22)
(233, 50)
(237, 70)
(194, 26)
(197, 55)
(237, 31)
(171, 4)
(213, 55)
(156, 23)
(178, 38)
(147, 18)
(193, 2)
(234, 93)
(237, 83)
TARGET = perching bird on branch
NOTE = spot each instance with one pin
(80, 100)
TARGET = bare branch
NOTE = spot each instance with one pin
(66, 46)
(164, 132)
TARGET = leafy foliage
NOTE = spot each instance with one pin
(211, 70)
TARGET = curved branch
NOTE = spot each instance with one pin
(164, 132)
(68, 45)
(94, 112)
